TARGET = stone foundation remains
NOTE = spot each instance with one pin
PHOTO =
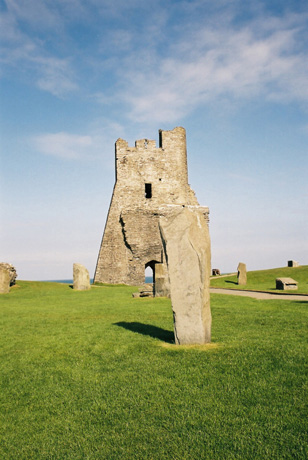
(293, 263)
(151, 182)
(285, 284)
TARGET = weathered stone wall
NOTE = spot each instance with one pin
(150, 180)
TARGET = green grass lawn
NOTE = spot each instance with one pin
(265, 280)
(95, 375)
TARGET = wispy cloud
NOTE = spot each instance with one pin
(262, 58)
(97, 144)
(162, 64)
(27, 52)
(63, 145)
(56, 75)
(45, 15)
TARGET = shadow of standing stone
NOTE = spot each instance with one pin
(148, 329)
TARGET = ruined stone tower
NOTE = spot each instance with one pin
(150, 181)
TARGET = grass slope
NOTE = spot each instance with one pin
(265, 280)
(95, 375)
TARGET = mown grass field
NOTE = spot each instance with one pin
(265, 280)
(95, 375)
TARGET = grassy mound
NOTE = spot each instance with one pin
(265, 280)
(95, 375)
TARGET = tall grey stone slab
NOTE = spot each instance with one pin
(4, 280)
(241, 274)
(186, 242)
(81, 278)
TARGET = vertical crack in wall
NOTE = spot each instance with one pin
(124, 234)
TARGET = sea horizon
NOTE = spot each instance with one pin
(148, 279)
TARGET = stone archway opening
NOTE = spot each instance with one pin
(150, 271)
(148, 275)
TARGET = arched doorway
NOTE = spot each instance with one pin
(148, 275)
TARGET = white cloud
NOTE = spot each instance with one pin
(56, 76)
(165, 68)
(262, 59)
(44, 15)
(63, 145)
(97, 144)
(26, 52)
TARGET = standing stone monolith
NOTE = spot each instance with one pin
(241, 274)
(81, 278)
(4, 280)
(162, 288)
(11, 270)
(186, 242)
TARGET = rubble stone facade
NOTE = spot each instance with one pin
(150, 182)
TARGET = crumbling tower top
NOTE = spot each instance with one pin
(163, 167)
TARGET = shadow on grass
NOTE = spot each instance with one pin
(232, 282)
(147, 329)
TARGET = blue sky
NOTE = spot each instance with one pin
(78, 74)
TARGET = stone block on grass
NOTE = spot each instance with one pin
(81, 278)
(241, 274)
(11, 270)
(4, 280)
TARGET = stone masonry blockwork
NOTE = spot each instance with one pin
(150, 182)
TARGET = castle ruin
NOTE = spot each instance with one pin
(150, 182)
